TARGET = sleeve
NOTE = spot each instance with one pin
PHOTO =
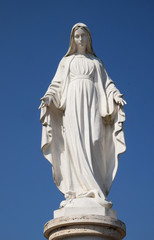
(109, 85)
(54, 88)
(110, 89)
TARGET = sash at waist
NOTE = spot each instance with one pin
(76, 77)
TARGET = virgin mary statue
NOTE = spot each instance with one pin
(82, 123)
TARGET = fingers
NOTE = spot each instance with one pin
(44, 102)
(42, 105)
(41, 99)
(121, 101)
(124, 101)
(44, 98)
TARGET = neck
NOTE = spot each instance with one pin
(81, 51)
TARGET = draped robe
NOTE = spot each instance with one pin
(71, 179)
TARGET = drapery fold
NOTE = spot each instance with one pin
(53, 129)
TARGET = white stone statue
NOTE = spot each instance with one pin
(82, 123)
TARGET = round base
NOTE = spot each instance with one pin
(84, 228)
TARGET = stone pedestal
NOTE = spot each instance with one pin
(85, 227)
(84, 206)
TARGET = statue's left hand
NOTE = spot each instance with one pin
(119, 100)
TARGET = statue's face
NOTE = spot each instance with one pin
(81, 38)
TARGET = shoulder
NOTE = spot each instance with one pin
(100, 62)
(97, 60)
(65, 60)
(62, 61)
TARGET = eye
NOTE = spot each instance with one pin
(77, 36)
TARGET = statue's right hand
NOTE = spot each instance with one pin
(45, 101)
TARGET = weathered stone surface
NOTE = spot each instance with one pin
(85, 227)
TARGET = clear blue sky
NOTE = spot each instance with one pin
(34, 37)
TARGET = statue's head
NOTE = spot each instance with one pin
(72, 47)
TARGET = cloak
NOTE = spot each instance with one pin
(113, 116)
